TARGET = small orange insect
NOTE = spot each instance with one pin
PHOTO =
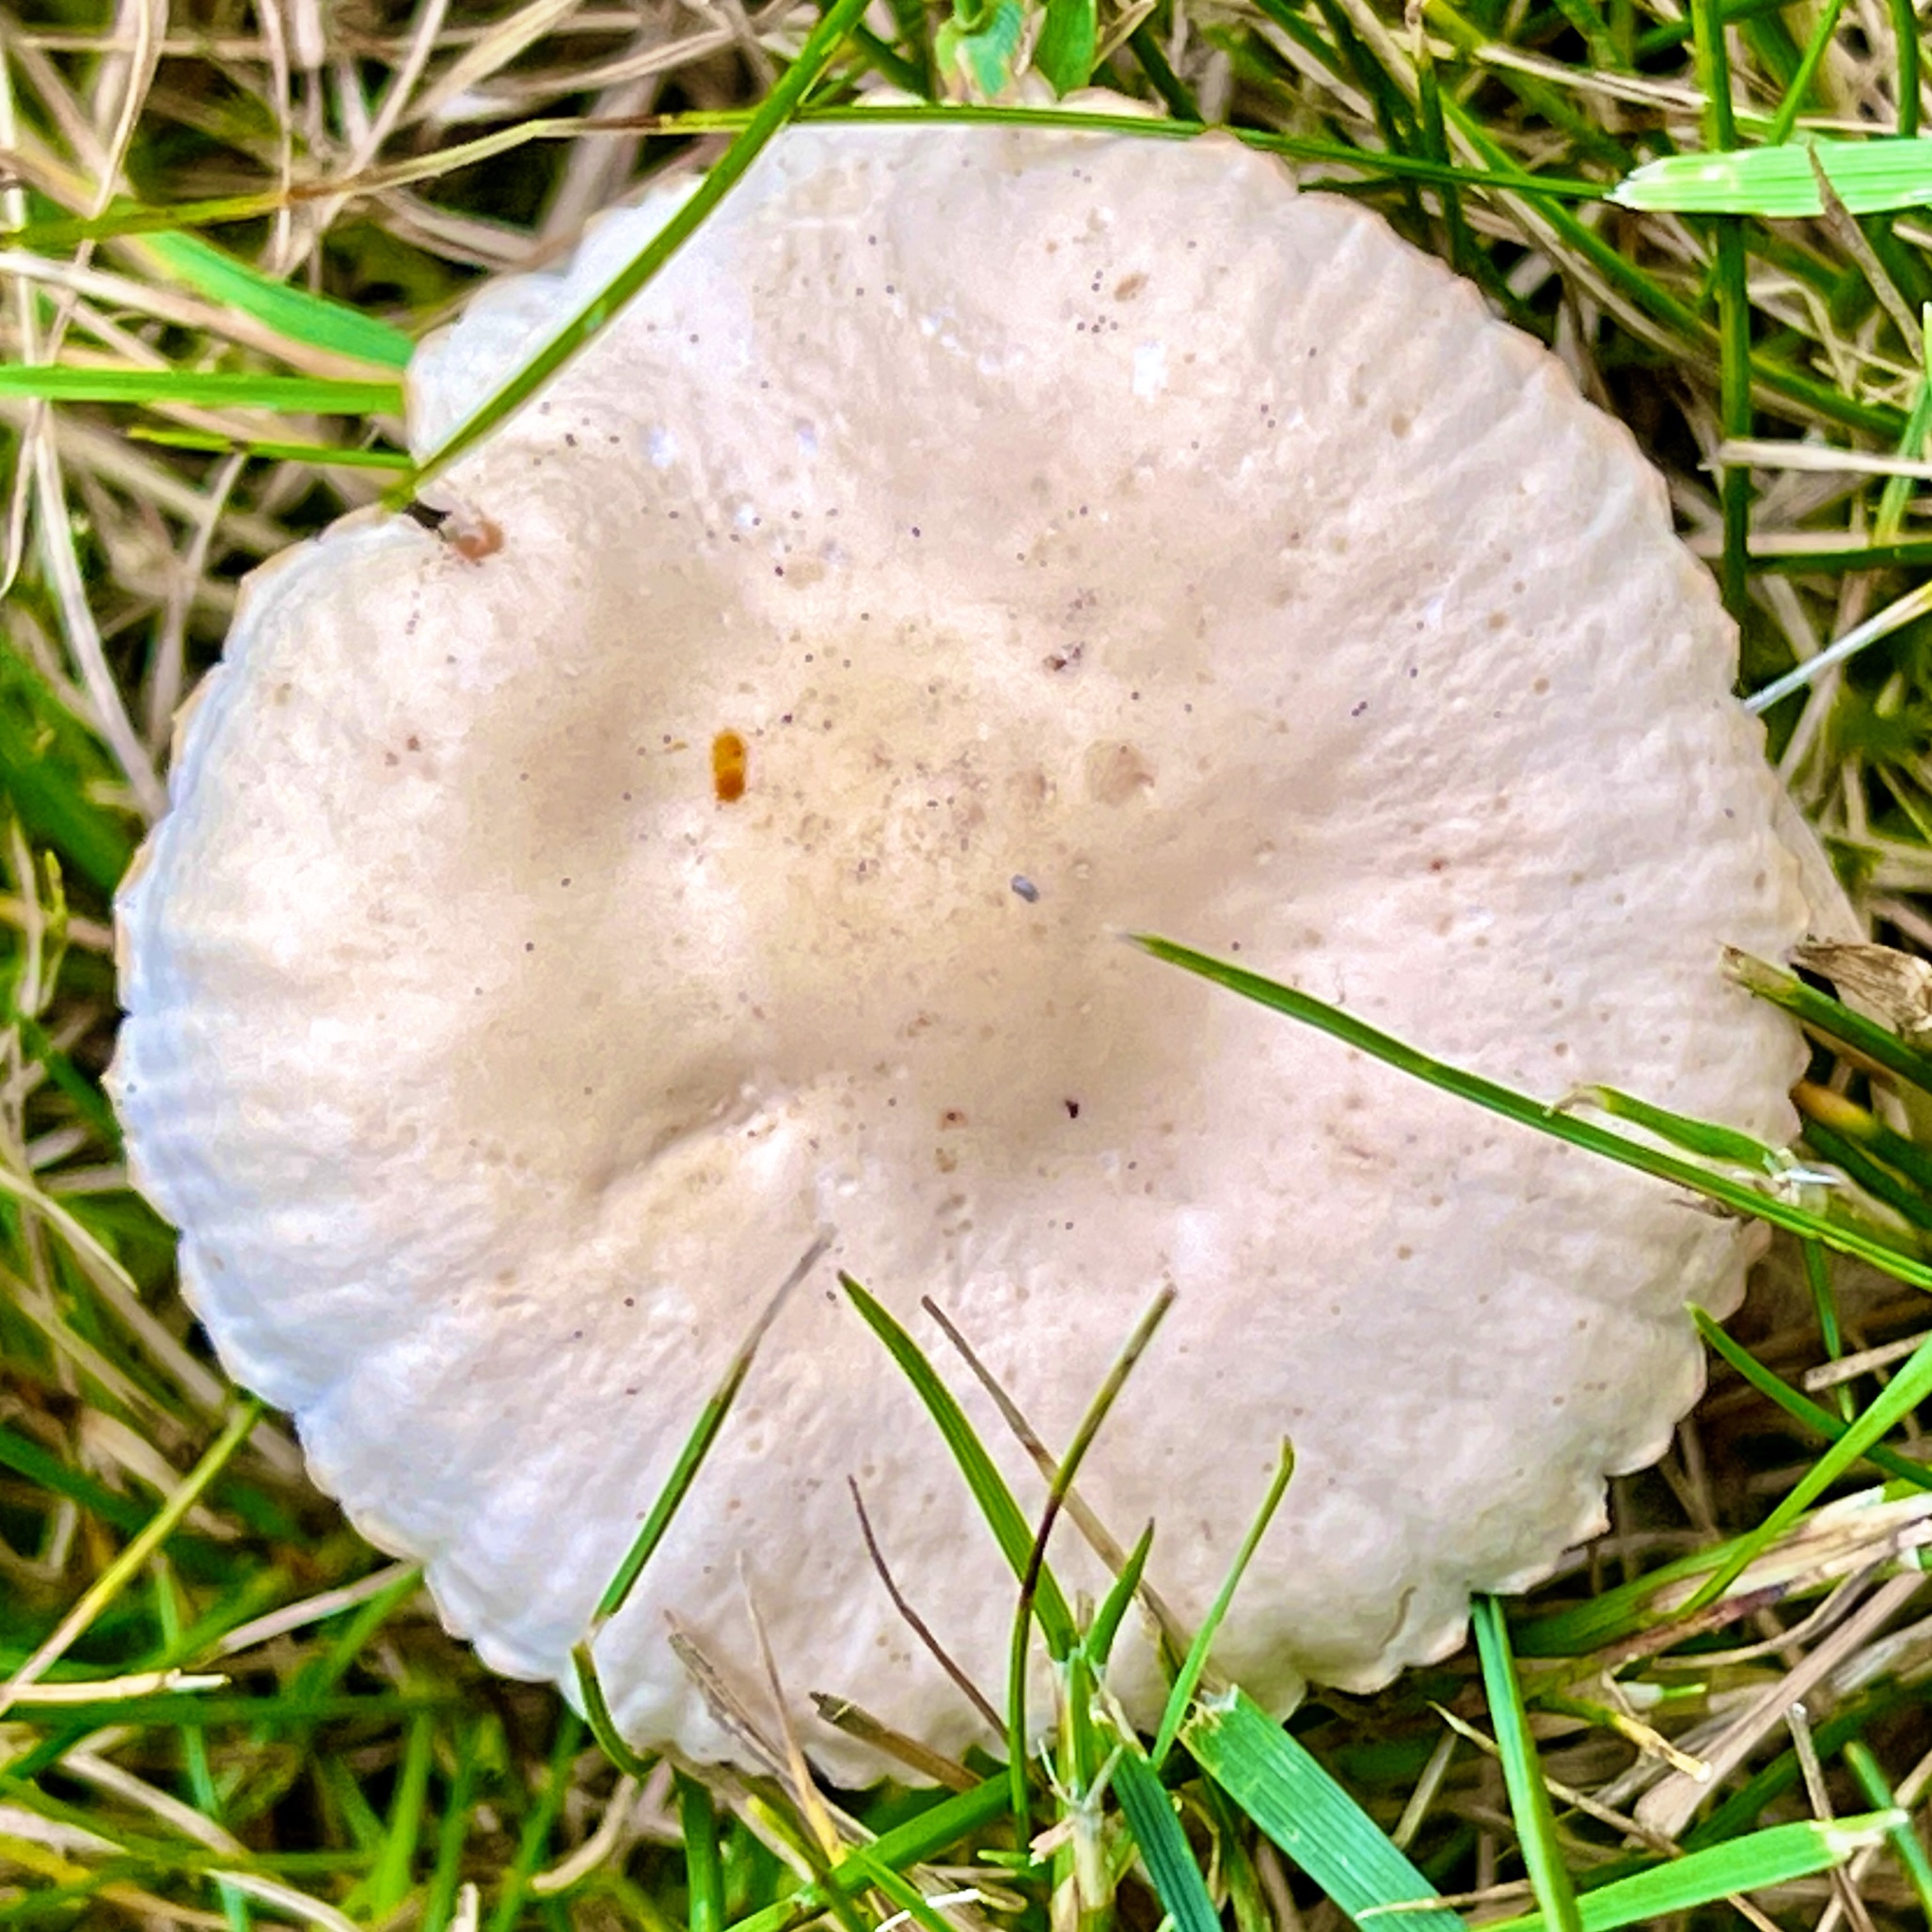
(729, 759)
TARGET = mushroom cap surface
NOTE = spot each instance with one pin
(977, 543)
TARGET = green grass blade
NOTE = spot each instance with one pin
(323, 456)
(1500, 175)
(698, 1445)
(199, 388)
(1084, 1436)
(1098, 1642)
(1309, 1817)
(1906, 1389)
(1181, 1695)
(1069, 38)
(1773, 1857)
(1831, 1019)
(446, 1875)
(46, 764)
(1164, 1848)
(1536, 1825)
(918, 1839)
(1703, 1138)
(1869, 176)
(1800, 1407)
(995, 1502)
(1497, 1099)
(697, 1818)
(1903, 1839)
(821, 44)
(390, 1877)
(664, 1507)
(541, 1820)
(316, 320)
(1906, 1200)
(1867, 1133)
(134, 1557)
(38, 1466)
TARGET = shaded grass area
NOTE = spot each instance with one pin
(218, 1708)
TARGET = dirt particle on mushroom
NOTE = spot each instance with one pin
(729, 764)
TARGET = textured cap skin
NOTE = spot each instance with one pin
(1029, 506)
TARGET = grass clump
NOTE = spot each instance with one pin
(218, 1708)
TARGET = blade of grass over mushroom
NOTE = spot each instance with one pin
(1800, 1408)
(1279, 1784)
(771, 114)
(1096, 1413)
(989, 1487)
(658, 1520)
(1529, 1805)
(1779, 1854)
(199, 388)
(1099, 1639)
(1501, 177)
(1704, 1138)
(1164, 1848)
(1189, 1677)
(704, 1431)
(1869, 1245)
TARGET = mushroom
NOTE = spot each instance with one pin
(976, 543)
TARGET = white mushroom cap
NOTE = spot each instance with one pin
(1079, 536)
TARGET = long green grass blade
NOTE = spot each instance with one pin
(1196, 1662)
(303, 317)
(698, 1445)
(697, 1818)
(1019, 1649)
(1536, 1825)
(323, 456)
(1309, 1817)
(917, 1839)
(1902, 1839)
(1776, 1856)
(1832, 1019)
(1703, 1138)
(1501, 176)
(1497, 1099)
(1164, 1848)
(1800, 1407)
(1869, 176)
(994, 1501)
(199, 388)
(821, 44)
(1098, 1642)
(1906, 1389)
(658, 1520)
